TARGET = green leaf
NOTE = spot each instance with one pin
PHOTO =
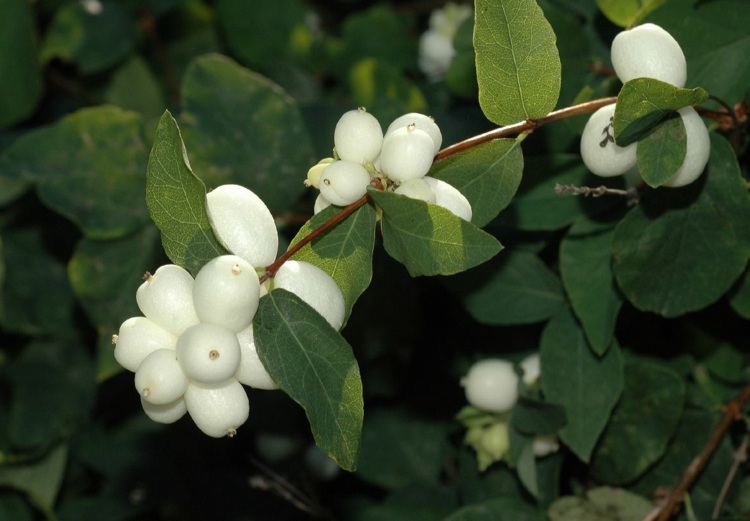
(518, 66)
(134, 87)
(523, 459)
(94, 42)
(11, 189)
(628, 12)
(21, 86)
(430, 240)
(536, 417)
(587, 385)
(586, 271)
(514, 288)
(680, 249)
(176, 200)
(105, 276)
(642, 424)
(344, 252)
(740, 300)
(413, 502)
(500, 509)
(40, 480)
(315, 366)
(487, 175)
(644, 102)
(89, 166)
(661, 153)
(242, 128)
(399, 448)
(601, 504)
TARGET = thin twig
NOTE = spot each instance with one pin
(598, 191)
(732, 412)
(740, 456)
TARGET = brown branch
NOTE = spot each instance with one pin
(740, 456)
(732, 412)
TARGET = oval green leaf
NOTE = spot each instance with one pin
(662, 151)
(627, 12)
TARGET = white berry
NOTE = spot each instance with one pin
(226, 292)
(531, 368)
(208, 353)
(160, 379)
(321, 203)
(243, 224)
(315, 287)
(491, 385)
(421, 122)
(544, 444)
(313, 174)
(218, 410)
(343, 182)
(447, 196)
(358, 136)
(137, 338)
(417, 189)
(648, 51)
(166, 412)
(601, 155)
(407, 153)
(251, 371)
(167, 298)
(436, 53)
(698, 149)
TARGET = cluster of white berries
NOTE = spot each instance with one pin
(436, 49)
(651, 52)
(491, 388)
(397, 161)
(194, 347)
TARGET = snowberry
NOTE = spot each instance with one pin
(407, 153)
(601, 155)
(343, 182)
(315, 287)
(544, 444)
(698, 149)
(167, 412)
(138, 337)
(450, 198)
(417, 189)
(313, 174)
(166, 298)
(251, 371)
(435, 54)
(495, 440)
(226, 292)
(218, 409)
(243, 224)
(208, 353)
(491, 385)
(531, 369)
(648, 51)
(321, 203)
(160, 379)
(358, 136)
(421, 122)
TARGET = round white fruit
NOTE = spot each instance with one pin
(698, 149)
(358, 136)
(648, 51)
(421, 122)
(450, 198)
(315, 287)
(218, 410)
(226, 292)
(407, 154)
(435, 54)
(321, 203)
(160, 379)
(243, 224)
(251, 371)
(166, 297)
(544, 444)
(491, 385)
(601, 155)
(417, 189)
(531, 369)
(208, 353)
(313, 174)
(343, 182)
(167, 412)
(139, 337)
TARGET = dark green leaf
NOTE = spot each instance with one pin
(500, 509)
(399, 448)
(601, 504)
(642, 424)
(21, 84)
(40, 480)
(536, 417)
(461, 78)
(523, 459)
(487, 175)
(514, 288)
(430, 240)
(741, 296)
(89, 166)
(586, 271)
(315, 366)
(93, 41)
(11, 189)
(413, 502)
(588, 386)
(242, 128)
(518, 66)
(626, 13)
(681, 249)
(176, 199)
(135, 87)
(345, 252)
(644, 102)
(661, 153)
